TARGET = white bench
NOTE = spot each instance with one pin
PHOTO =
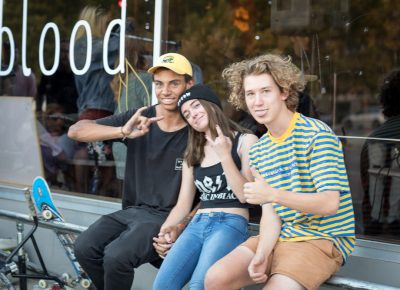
(350, 283)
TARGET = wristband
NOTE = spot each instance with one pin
(123, 134)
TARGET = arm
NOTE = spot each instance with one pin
(178, 217)
(234, 177)
(326, 170)
(321, 203)
(222, 146)
(174, 231)
(32, 90)
(270, 227)
(41, 92)
(162, 244)
(89, 131)
(185, 199)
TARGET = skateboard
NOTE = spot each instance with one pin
(46, 209)
(43, 201)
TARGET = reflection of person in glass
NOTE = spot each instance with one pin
(16, 83)
(95, 98)
(380, 164)
(58, 90)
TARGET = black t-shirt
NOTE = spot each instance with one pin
(212, 184)
(153, 170)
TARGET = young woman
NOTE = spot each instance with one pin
(216, 164)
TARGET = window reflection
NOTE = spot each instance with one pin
(380, 177)
(69, 165)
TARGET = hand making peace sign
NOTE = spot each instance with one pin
(138, 125)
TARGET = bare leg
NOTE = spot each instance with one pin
(230, 272)
(278, 281)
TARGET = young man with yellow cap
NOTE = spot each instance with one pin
(156, 138)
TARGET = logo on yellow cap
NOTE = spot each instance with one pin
(168, 59)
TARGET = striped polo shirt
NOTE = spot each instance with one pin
(308, 158)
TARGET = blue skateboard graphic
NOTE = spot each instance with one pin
(41, 197)
(43, 201)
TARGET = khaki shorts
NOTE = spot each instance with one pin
(310, 263)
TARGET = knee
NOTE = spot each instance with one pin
(81, 246)
(85, 247)
(120, 258)
(117, 264)
(215, 279)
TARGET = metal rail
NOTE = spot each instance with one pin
(61, 226)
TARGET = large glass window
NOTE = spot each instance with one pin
(62, 97)
(344, 47)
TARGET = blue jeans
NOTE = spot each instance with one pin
(208, 238)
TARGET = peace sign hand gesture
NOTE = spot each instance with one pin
(222, 145)
(138, 125)
(259, 191)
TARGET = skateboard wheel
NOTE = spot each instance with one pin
(47, 214)
(85, 283)
(42, 284)
(66, 277)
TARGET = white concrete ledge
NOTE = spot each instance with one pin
(349, 283)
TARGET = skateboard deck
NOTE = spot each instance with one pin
(43, 201)
(46, 209)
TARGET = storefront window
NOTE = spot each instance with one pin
(62, 97)
(345, 48)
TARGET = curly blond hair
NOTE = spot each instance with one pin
(286, 75)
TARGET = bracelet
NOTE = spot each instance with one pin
(181, 226)
(123, 134)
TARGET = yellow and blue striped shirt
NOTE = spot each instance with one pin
(308, 158)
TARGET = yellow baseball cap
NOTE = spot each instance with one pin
(175, 62)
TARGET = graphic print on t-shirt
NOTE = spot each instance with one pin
(210, 188)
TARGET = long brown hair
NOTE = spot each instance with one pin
(98, 19)
(194, 153)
